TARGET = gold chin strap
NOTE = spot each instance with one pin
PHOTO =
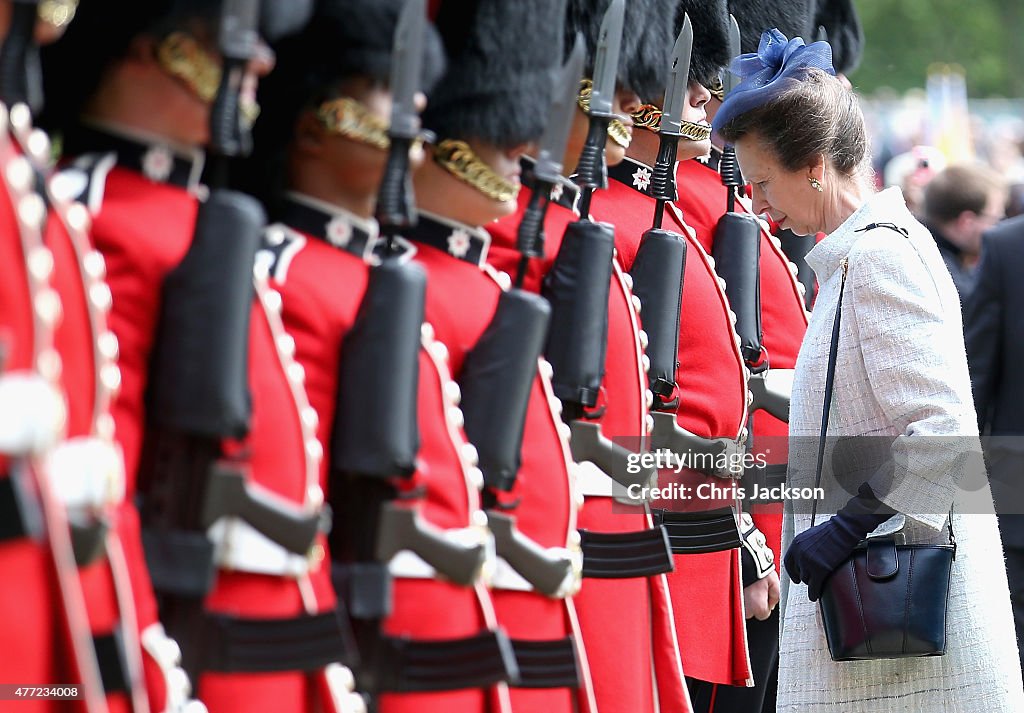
(648, 117)
(353, 120)
(695, 132)
(616, 130)
(458, 159)
(717, 89)
(183, 57)
(57, 13)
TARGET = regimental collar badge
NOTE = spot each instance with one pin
(462, 242)
(634, 174)
(159, 161)
(333, 225)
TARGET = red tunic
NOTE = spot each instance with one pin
(45, 622)
(711, 383)
(144, 227)
(642, 640)
(462, 294)
(322, 286)
(783, 319)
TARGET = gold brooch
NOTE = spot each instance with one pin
(459, 159)
(616, 130)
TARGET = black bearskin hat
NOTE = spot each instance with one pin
(793, 18)
(345, 39)
(842, 25)
(647, 39)
(500, 56)
(710, 20)
(103, 30)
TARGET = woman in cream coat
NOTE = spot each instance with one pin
(901, 383)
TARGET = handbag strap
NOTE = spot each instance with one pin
(830, 375)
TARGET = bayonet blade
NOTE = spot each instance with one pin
(606, 59)
(406, 57)
(239, 29)
(678, 79)
(563, 108)
(728, 78)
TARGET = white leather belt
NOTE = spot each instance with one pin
(239, 546)
(505, 577)
(407, 564)
(592, 481)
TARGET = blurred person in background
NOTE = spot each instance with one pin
(911, 171)
(960, 203)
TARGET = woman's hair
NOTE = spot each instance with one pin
(815, 115)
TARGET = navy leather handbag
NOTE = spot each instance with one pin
(888, 599)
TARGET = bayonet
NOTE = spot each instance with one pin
(663, 180)
(729, 79)
(239, 32)
(678, 80)
(239, 39)
(591, 170)
(396, 210)
(406, 58)
(728, 166)
(548, 168)
(563, 105)
(606, 59)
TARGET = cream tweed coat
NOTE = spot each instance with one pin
(901, 375)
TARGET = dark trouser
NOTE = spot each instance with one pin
(763, 644)
(1015, 577)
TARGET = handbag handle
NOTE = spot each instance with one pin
(830, 375)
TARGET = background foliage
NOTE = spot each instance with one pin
(905, 37)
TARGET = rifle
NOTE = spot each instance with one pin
(499, 372)
(375, 437)
(21, 79)
(195, 401)
(578, 285)
(737, 246)
(661, 258)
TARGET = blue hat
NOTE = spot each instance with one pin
(777, 65)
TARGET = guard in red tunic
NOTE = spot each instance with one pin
(43, 597)
(322, 148)
(783, 322)
(78, 488)
(211, 416)
(493, 101)
(710, 398)
(625, 612)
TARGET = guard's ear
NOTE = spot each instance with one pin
(310, 134)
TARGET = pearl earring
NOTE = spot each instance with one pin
(815, 184)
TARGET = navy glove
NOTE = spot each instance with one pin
(817, 552)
